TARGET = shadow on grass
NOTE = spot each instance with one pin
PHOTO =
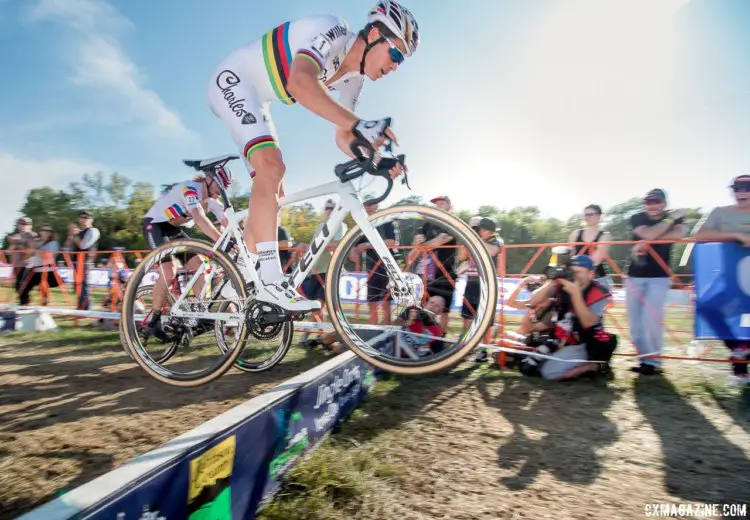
(568, 425)
(403, 399)
(82, 389)
(90, 463)
(347, 477)
(700, 464)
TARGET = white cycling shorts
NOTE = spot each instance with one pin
(233, 97)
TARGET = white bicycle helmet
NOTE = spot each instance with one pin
(399, 20)
(223, 175)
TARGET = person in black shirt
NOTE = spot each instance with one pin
(285, 243)
(648, 284)
(377, 276)
(441, 279)
(486, 229)
(588, 238)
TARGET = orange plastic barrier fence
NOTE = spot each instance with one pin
(61, 281)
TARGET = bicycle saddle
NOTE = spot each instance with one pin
(209, 164)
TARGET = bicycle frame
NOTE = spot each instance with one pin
(349, 202)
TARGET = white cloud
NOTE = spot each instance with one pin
(82, 15)
(102, 64)
(28, 173)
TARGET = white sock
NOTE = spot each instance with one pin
(269, 263)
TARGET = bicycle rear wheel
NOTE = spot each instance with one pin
(186, 329)
(404, 352)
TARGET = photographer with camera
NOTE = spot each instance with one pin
(566, 322)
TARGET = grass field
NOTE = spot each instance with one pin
(474, 443)
(480, 444)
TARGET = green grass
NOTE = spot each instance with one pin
(340, 480)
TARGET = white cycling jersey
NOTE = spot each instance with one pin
(215, 207)
(253, 76)
(177, 202)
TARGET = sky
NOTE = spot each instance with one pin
(552, 103)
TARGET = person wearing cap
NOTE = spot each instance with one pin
(20, 243)
(579, 310)
(445, 250)
(732, 223)
(86, 241)
(647, 285)
(486, 229)
(377, 277)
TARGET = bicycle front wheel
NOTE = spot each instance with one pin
(184, 367)
(413, 340)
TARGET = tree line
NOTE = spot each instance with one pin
(119, 205)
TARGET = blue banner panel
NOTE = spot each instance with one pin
(722, 291)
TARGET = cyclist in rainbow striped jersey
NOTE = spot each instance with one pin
(299, 62)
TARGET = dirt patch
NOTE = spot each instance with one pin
(470, 444)
(474, 444)
(73, 407)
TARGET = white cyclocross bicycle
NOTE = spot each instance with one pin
(227, 303)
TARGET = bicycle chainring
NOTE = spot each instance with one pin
(265, 320)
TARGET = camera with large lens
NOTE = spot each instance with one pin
(559, 265)
(544, 344)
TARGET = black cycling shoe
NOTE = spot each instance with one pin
(156, 331)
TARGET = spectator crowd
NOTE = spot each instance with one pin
(569, 309)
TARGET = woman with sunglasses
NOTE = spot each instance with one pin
(732, 223)
(300, 61)
(589, 237)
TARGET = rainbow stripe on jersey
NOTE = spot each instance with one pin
(278, 59)
(174, 211)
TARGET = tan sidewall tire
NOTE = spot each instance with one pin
(126, 320)
(469, 237)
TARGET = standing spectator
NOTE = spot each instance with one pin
(648, 284)
(312, 286)
(590, 235)
(86, 240)
(732, 223)
(377, 281)
(486, 229)
(20, 243)
(42, 261)
(285, 243)
(438, 284)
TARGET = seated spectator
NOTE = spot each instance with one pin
(415, 320)
(732, 223)
(577, 342)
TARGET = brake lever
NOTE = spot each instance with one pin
(402, 160)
